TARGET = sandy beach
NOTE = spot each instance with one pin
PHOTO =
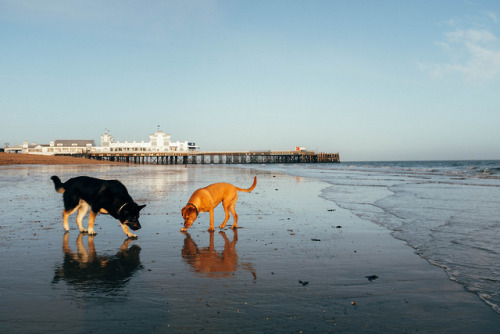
(297, 264)
(35, 159)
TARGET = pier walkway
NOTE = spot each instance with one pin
(196, 157)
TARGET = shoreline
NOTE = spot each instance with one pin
(7, 159)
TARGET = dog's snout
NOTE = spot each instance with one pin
(134, 225)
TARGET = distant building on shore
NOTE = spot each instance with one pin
(158, 142)
(55, 147)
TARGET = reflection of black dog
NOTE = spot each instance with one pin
(211, 263)
(105, 196)
(86, 270)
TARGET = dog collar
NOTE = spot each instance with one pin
(120, 209)
(195, 208)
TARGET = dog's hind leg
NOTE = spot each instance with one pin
(71, 203)
(226, 212)
(66, 214)
(235, 215)
(65, 220)
(228, 205)
(82, 211)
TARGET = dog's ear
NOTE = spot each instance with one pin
(141, 207)
(182, 211)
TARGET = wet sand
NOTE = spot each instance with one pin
(297, 263)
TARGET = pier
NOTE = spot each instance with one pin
(196, 157)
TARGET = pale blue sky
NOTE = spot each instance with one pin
(372, 80)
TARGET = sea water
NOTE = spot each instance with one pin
(448, 211)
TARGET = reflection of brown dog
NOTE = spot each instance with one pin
(206, 199)
(210, 263)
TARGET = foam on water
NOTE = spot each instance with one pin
(448, 211)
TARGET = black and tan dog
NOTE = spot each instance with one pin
(104, 196)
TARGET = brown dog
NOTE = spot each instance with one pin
(206, 199)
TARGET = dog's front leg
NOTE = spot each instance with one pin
(92, 215)
(211, 228)
(127, 231)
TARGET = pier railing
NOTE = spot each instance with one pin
(196, 157)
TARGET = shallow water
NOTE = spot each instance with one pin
(296, 264)
(447, 210)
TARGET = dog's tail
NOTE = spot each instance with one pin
(250, 268)
(251, 188)
(58, 184)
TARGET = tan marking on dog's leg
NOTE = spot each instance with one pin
(65, 220)
(82, 211)
(211, 228)
(92, 216)
(66, 215)
(127, 231)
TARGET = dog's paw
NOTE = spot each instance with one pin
(132, 236)
(91, 233)
(83, 231)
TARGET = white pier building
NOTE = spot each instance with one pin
(158, 142)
